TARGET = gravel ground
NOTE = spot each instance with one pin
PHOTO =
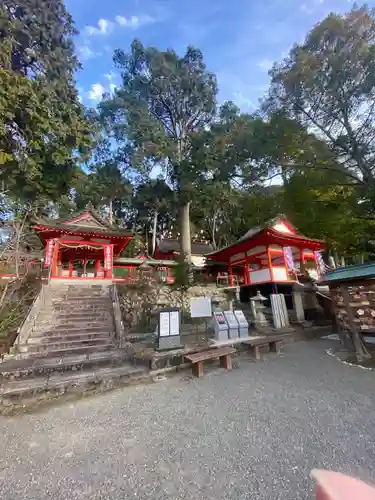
(253, 433)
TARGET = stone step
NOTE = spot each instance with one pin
(82, 303)
(62, 352)
(51, 329)
(81, 298)
(79, 321)
(85, 326)
(63, 345)
(26, 392)
(81, 312)
(32, 367)
(73, 314)
(65, 330)
(78, 306)
(70, 337)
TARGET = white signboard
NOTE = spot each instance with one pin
(200, 307)
(174, 323)
(164, 324)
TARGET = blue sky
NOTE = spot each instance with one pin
(240, 39)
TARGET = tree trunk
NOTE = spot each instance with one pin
(185, 239)
(214, 231)
(154, 227)
(110, 212)
(19, 231)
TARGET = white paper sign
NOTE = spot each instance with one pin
(174, 322)
(200, 307)
(164, 324)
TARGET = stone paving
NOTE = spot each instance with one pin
(254, 433)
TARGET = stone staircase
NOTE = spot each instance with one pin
(74, 319)
(67, 344)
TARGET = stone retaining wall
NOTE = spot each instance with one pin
(140, 303)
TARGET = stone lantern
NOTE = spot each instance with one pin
(258, 307)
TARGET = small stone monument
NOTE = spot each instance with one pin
(258, 307)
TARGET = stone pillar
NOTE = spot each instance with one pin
(298, 308)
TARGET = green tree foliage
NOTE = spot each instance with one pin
(43, 127)
(163, 102)
(328, 85)
(317, 203)
(155, 206)
(229, 148)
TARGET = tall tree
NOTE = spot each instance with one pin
(43, 127)
(328, 85)
(154, 202)
(164, 100)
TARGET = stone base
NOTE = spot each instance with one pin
(173, 342)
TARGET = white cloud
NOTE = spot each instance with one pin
(98, 89)
(134, 22)
(80, 94)
(242, 101)
(111, 76)
(104, 27)
(96, 92)
(85, 53)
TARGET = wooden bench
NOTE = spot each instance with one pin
(273, 343)
(224, 354)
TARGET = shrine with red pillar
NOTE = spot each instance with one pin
(82, 247)
(273, 254)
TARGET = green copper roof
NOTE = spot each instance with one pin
(347, 273)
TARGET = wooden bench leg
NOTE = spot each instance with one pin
(256, 351)
(198, 369)
(275, 347)
(226, 362)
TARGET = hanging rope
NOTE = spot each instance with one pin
(85, 247)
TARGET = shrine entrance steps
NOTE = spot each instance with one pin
(75, 318)
(67, 345)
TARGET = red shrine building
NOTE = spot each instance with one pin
(87, 247)
(271, 254)
(81, 247)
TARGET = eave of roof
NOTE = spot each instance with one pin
(70, 229)
(349, 273)
(258, 230)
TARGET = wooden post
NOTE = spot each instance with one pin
(230, 271)
(286, 265)
(54, 258)
(270, 262)
(197, 369)
(226, 362)
(302, 262)
(70, 267)
(246, 272)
